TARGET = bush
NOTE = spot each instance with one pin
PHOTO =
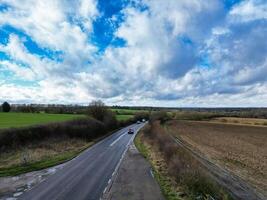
(161, 116)
(139, 116)
(6, 107)
(85, 128)
(110, 120)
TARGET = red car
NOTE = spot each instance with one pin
(130, 131)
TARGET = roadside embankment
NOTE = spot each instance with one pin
(179, 174)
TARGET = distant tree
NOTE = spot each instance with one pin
(98, 110)
(162, 116)
(141, 115)
(110, 120)
(6, 107)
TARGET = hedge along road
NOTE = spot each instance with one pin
(86, 176)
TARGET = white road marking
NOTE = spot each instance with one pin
(110, 182)
(117, 140)
(151, 172)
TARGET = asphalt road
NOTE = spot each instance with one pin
(86, 176)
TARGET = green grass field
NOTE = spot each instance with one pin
(8, 120)
(124, 117)
(127, 111)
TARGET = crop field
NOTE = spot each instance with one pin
(238, 120)
(240, 148)
(125, 114)
(12, 120)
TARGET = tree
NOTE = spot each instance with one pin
(6, 107)
(98, 110)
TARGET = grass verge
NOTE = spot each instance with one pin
(166, 184)
(49, 162)
(180, 176)
(40, 156)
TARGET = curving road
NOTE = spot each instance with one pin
(86, 176)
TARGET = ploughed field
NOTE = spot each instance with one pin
(12, 120)
(240, 148)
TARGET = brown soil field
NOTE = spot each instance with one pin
(241, 149)
(244, 121)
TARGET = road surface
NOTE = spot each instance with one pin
(86, 176)
(134, 180)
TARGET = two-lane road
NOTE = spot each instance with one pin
(86, 176)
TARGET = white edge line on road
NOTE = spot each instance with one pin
(108, 187)
(151, 172)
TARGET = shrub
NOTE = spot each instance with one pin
(6, 107)
(161, 116)
(110, 120)
(85, 128)
(141, 115)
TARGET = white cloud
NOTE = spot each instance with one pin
(160, 63)
(249, 10)
(20, 71)
(47, 23)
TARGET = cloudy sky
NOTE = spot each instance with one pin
(134, 52)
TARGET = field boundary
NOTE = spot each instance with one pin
(238, 188)
(227, 123)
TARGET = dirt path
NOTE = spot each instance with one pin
(235, 185)
(134, 180)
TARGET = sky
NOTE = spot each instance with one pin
(173, 53)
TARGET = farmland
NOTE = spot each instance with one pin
(126, 114)
(124, 117)
(239, 148)
(244, 121)
(8, 120)
(122, 111)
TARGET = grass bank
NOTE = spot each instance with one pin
(178, 173)
(44, 154)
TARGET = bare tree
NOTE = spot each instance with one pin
(98, 110)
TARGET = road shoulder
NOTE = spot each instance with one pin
(134, 179)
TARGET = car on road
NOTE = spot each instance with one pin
(130, 131)
(138, 122)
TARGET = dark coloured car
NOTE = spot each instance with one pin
(130, 131)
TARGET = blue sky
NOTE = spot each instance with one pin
(134, 52)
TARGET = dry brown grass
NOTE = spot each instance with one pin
(241, 149)
(177, 167)
(41, 151)
(244, 121)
